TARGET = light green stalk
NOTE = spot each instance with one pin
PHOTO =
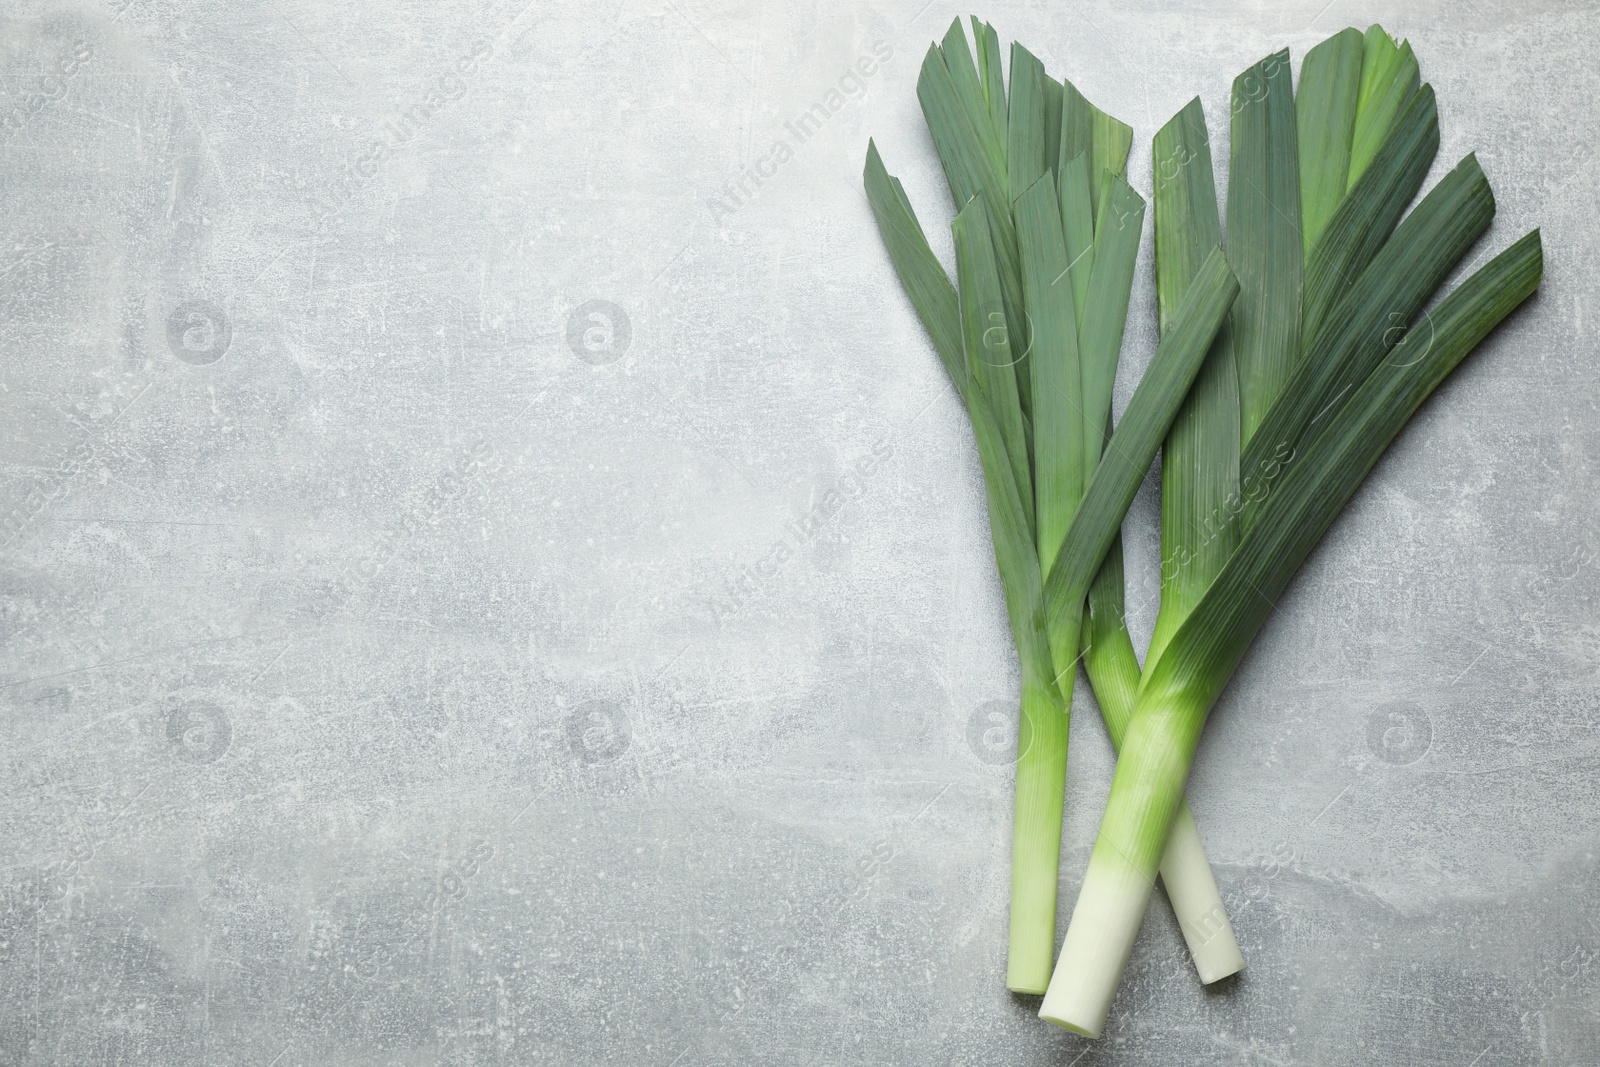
(1113, 670)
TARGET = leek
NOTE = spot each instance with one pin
(1046, 237)
(1317, 404)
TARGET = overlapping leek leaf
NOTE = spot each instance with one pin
(1085, 128)
(1200, 461)
(1264, 242)
(1325, 122)
(1118, 224)
(1367, 215)
(970, 138)
(986, 340)
(1204, 654)
(924, 280)
(1077, 225)
(1372, 316)
(994, 89)
(1057, 383)
(1026, 160)
(1389, 75)
(970, 88)
(1132, 447)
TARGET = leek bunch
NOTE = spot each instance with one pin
(1293, 348)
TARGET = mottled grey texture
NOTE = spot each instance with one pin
(407, 661)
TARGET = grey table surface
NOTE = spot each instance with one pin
(480, 588)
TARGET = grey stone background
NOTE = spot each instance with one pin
(408, 660)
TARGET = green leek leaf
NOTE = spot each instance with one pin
(1118, 225)
(1389, 76)
(1325, 119)
(1025, 153)
(1371, 318)
(1077, 224)
(1367, 216)
(1200, 460)
(965, 138)
(986, 340)
(1128, 454)
(1210, 645)
(920, 273)
(1264, 242)
(1057, 386)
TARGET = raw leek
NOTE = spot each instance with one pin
(1046, 237)
(1315, 412)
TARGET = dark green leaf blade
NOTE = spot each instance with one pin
(1053, 96)
(924, 280)
(1371, 318)
(964, 154)
(1118, 227)
(969, 88)
(1368, 215)
(1057, 385)
(986, 340)
(1207, 649)
(1085, 128)
(1077, 131)
(1389, 76)
(1200, 460)
(1113, 139)
(1077, 223)
(1325, 120)
(1264, 243)
(994, 90)
(967, 169)
(1025, 154)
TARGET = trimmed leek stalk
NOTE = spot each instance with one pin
(1042, 735)
(962, 329)
(1113, 669)
(1315, 412)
